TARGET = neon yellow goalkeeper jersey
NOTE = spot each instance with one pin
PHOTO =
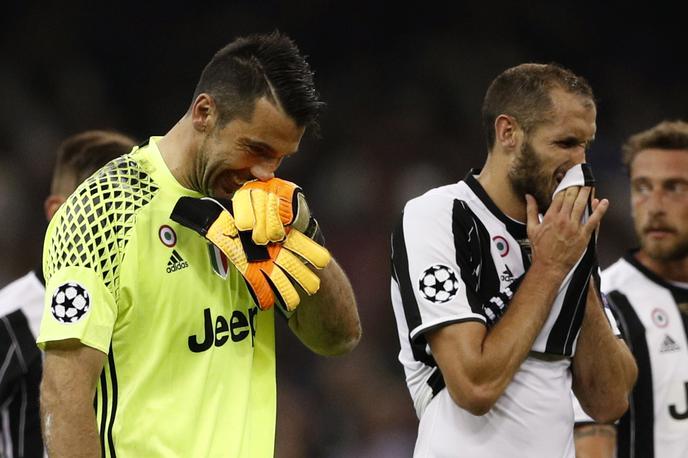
(190, 368)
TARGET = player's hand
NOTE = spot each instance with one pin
(562, 236)
(267, 208)
(268, 269)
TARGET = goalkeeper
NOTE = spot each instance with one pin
(163, 281)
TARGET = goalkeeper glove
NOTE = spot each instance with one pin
(266, 207)
(264, 267)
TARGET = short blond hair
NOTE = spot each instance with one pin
(665, 135)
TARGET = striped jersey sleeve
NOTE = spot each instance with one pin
(427, 269)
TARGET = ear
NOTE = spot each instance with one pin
(508, 133)
(51, 204)
(203, 113)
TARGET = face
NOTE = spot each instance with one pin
(242, 150)
(659, 200)
(553, 147)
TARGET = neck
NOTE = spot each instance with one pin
(494, 178)
(178, 149)
(676, 270)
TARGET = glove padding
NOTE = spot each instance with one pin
(266, 208)
(264, 267)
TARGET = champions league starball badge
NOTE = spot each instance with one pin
(438, 283)
(70, 302)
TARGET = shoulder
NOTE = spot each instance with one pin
(619, 276)
(105, 200)
(22, 292)
(93, 226)
(437, 203)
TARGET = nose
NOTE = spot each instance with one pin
(265, 169)
(578, 156)
(655, 200)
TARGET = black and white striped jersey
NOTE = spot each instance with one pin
(456, 257)
(21, 307)
(653, 316)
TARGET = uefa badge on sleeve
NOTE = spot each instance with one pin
(70, 302)
(438, 283)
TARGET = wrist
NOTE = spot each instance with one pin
(547, 272)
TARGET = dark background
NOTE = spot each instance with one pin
(403, 86)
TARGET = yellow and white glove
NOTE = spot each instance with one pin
(267, 208)
(266, 268)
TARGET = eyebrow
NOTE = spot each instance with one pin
(573, 140)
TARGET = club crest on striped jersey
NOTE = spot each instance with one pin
(438, 283)
(218, 261)
(167, 236)
(70, 302)
(660, 318)
(501, 244)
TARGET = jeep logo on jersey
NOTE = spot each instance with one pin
(70, 302)
(217, 332)
(438, 283)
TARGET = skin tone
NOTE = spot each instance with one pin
(478, 364)
(215, 160)
(659, 201)
(659, 207)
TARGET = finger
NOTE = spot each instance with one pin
(259, 204)
(580, 205)
(597, 215)
(570, 195)
(297, 270)
(273, 221)
(286, 291)
(531, 211)
(242, 208)
(308, 249)
(595, 202)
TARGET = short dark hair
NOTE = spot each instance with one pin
(80, 155)
(523, 92)
(258, 66)
(665, 135)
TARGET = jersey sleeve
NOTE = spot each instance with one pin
(81, 257)
(431, 277)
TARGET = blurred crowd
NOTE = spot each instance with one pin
(403, 116)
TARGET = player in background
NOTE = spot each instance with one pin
(147, 317)
(490, 345)
(647, 289)
(21, 302)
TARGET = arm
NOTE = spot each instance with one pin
(328, 322)
(604, 370)
(478, 364)
(70, 375)
(595, 441)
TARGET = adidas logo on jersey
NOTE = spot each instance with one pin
(669, 345)
(507, 275)
(176, 262)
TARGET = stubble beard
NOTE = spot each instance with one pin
(526, 177)
(664, 252)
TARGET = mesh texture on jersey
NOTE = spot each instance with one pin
(93, 228)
